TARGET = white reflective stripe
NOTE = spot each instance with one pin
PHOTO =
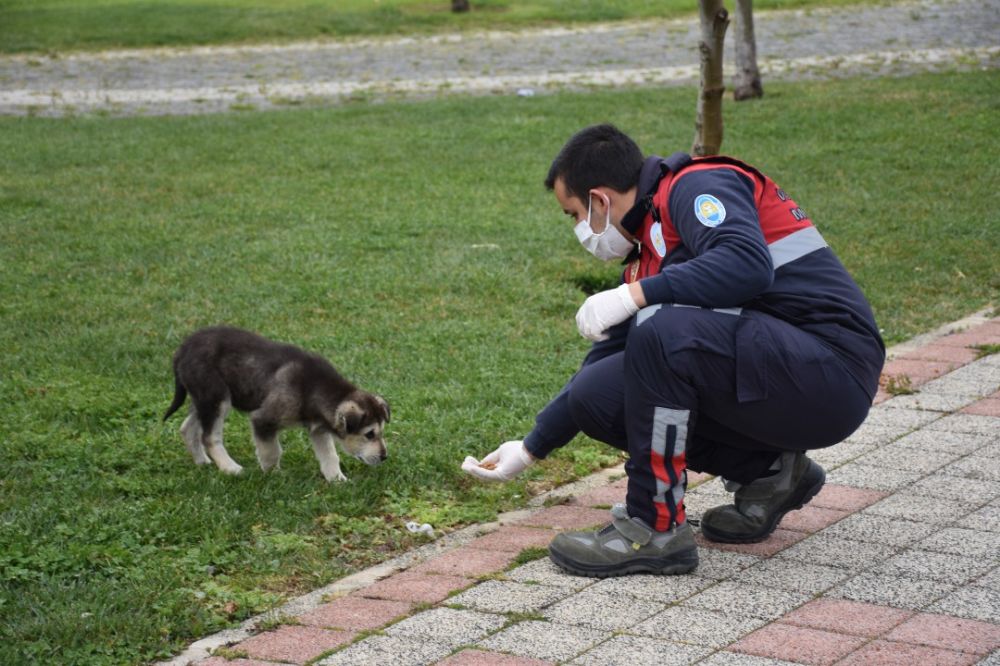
(646, 313)
(728, 311)
(796, 245)
(663, 418)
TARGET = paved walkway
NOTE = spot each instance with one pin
(882, 40)
(896, 561)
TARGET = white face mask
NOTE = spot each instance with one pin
(607, 245)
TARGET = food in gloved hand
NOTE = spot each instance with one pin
(488, 465)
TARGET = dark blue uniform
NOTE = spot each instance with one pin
(756, 339)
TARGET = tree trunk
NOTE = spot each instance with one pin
(708, 123)
(459, 5)
(746, 83)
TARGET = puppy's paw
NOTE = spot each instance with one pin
(234, 470)
(335, 476)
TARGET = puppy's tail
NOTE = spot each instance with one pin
(180, 393)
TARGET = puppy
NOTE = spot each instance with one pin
(278, 385)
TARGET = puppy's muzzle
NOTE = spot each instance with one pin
(373, 459)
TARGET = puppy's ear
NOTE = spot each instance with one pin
(347, 418)
(384, 405)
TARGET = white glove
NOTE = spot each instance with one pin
(603, 310)
(502, 465)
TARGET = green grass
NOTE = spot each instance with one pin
(414, 245)
(58, 25)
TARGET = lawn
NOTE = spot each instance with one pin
(58, 25)
(414, 245)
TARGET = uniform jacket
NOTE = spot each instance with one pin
(716, 233)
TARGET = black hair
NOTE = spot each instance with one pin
(599, 155)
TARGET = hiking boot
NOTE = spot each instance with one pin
(760, 505)
(625, 546)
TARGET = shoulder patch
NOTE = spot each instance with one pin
(709, 210)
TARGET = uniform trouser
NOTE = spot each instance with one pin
(693, 390)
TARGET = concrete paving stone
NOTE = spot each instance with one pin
(890, 653)
(496, 596)
(448, 626)
(567, 517)
(984, 407)
(880, 529)
(992, 660)
(948, 632)
(991, 450)
(831, 551)
(906, 419)
(845, 498)
(980, 334)
(603, 497)
(973, 424)
(875, 478)
(811, 519)
(738, 659)
(910, 506)
(943, 442)
(293, 643)
(838, 454)
(981, 467)
(799, 644)
(222, 661)
(696, 479)
(792, 575)
(960, 541)
(905, 458)
(602, 610)
(973, 603)
(918, 372)
(419, 588)
(895, 591)
(698, 626)
(975, 378)
(745, 600)
(779, 540)
(947, 568)
(990, 580)
(847, 617)
(357, 613)
(395, 650)
(481, 658)
(935, 402)
(714, 487)
(544, 572)
(719, 564)
(662, 589)
(514, 538)
(695, 505)
(871, 434)
(939, 352)
(641, 651)
(465, 561)
(545, 640)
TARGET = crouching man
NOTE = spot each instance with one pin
(736, 342)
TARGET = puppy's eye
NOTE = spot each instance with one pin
(370, 434)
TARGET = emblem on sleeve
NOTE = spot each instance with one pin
(709, 210)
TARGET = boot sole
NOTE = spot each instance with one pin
(674, 566)
(795, 502)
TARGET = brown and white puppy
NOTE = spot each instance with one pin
(279, 386)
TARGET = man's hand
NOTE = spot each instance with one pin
(603, 310)
(502, 465)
